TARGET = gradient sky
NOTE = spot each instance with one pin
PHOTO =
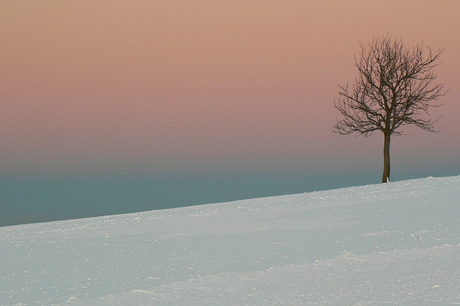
(144, 87)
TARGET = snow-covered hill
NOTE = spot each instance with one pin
(392, 243)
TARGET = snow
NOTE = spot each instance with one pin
(395, 243)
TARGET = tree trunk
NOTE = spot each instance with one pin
(386, 159)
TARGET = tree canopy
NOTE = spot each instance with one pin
(395, 87)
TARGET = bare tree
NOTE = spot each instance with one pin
(395, 87)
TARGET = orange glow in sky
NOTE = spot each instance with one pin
(146, 85)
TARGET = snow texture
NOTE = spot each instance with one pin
(395, 243)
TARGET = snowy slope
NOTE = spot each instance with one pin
(392, 243)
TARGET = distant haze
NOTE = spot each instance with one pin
(233, 89)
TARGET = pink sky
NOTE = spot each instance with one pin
(148, 85)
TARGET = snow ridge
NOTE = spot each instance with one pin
(394, 243)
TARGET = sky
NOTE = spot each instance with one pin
(119, 106)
